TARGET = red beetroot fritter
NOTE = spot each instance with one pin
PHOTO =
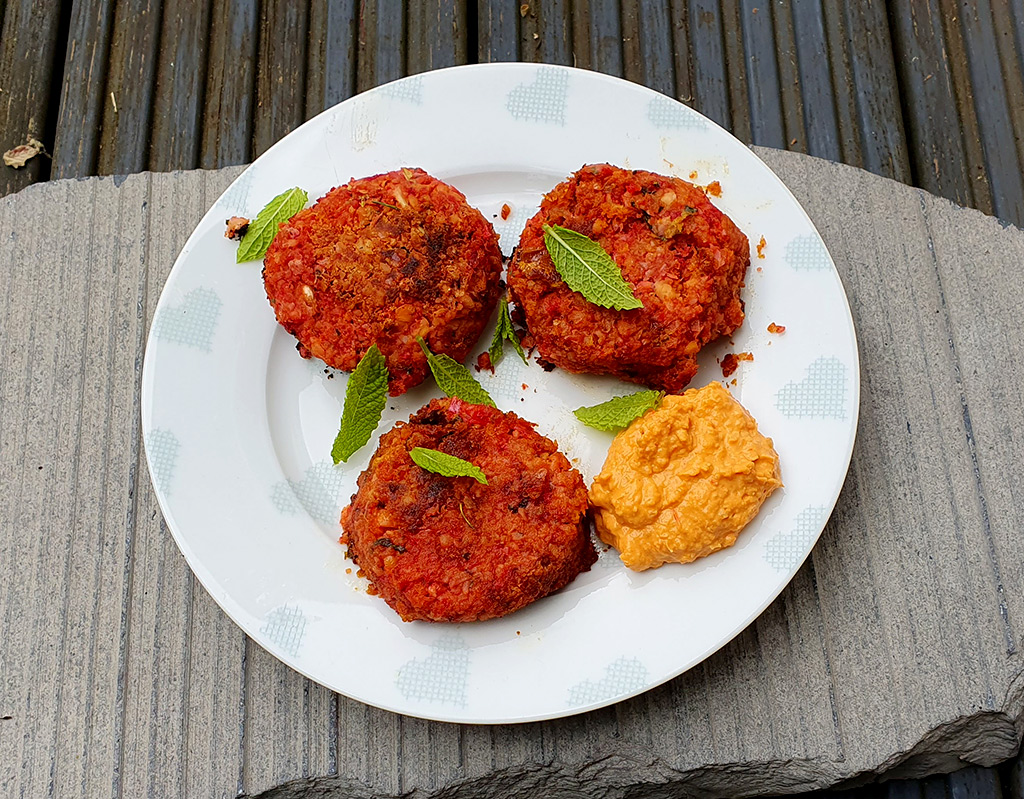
(685, 259)
(383, 260)
(452, 549)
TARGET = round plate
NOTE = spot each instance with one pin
(238, 428)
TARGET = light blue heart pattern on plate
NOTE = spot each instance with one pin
(163, 447)
(666, 114)
(786, 549)
(317, 492)
(821, 394)
(807, 253)
(285, 626)
(622, 676)
(409, 90)
(544, 100)
(191, 322)
(442, 676)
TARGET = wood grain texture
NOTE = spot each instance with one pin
(131, 76)
(83, 89)
(227, 127)
(896, 648)
(28, 46)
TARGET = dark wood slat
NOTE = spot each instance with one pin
(766, 122)
(436, 34)
(735, 60)
(934, 127)
(178, 103)
(975, 783)
(546, 33)
(992, 103)
(77, 140)
(381, 49)
(700, 21)
(27, 46)
(128, 106)
(1008, 21)
(883, 141)
(331, 75)
(836, 34)
(281, 72)
(597, 36)
(647, 44)
(821, 123)
(230, 80)
(791, 89)
(497, 31)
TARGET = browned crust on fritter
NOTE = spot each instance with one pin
(451, 549)
(685, 260)
(382, 260)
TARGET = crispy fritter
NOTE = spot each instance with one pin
(382, 260)
(685, 260)
(452, 549)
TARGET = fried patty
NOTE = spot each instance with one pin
(382, 260)
(452, 549)
(685, 260)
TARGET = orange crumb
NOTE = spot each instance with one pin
(525, 386)
(714, 188)
(731, 361)
(348, 571)
(505, 211)
(760, 247)
(693, 175)
(483, 361)
(774, 328)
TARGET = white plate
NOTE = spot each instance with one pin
(238, 428)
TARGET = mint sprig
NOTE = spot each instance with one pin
(365, 397)
(504, 331)
(616, 414)
(454, 379)
(264, 227)
(446, 465)
(586, 268)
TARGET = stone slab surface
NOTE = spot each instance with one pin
(897, 648)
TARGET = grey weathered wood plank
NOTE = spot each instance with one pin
(647, 44)
(765, 91)
(816, 81)
(281, 72)
(597, 36)
(28, 43)
(546, 34)
(131, 75)
(436, 35)
(77, 137)
(497, 31)
(227, 126)
(994, 107)
(879, 118)
(178, 95)
(893, 647)
(381, 53)
(331, 70)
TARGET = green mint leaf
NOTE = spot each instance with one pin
(365, 397)
(446, 465)
(588, 269)
(504, 331)
(616, 414)
(264, 227)
(454, 379)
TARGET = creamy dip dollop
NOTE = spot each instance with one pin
(683, 480)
